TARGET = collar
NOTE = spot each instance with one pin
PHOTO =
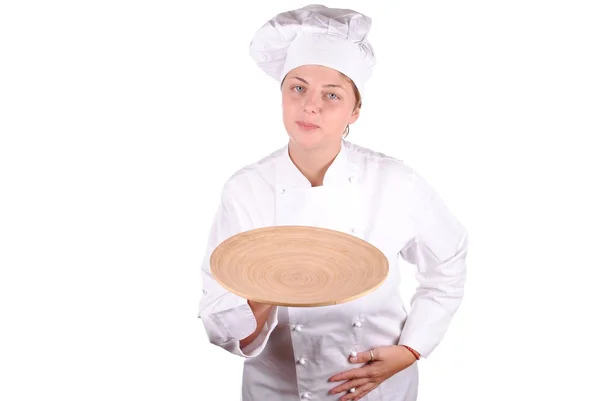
(341, 171)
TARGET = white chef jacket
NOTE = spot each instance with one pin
(367, 194)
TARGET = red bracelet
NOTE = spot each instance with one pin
(413, 352)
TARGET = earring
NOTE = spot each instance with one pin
(346, 131)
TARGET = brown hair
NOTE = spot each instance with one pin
(358, 103)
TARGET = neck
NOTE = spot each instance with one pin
(313, 163)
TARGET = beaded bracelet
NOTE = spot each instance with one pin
(413, 352)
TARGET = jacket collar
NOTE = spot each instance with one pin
(341, 170)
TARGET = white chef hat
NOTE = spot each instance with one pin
(315, 34)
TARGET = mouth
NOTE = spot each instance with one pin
(306, 125)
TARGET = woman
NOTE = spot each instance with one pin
(364, 349)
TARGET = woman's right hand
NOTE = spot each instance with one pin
(258, 307)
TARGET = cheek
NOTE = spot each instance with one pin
(288, 113)
(339, 116)
(288, 106)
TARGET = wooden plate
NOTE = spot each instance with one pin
(298, 266)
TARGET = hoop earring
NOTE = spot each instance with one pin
(346, 131)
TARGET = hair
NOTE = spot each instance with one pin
(358, 103)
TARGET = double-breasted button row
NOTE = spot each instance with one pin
(301, 361)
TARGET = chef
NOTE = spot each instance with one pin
(363, 349)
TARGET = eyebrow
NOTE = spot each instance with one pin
(326, 86)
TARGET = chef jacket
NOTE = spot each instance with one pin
(369, 195)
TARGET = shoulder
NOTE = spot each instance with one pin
(379, 165)
(394, 178)
(252, 177)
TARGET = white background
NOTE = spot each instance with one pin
(120, 121)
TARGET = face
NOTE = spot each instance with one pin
(318, 104)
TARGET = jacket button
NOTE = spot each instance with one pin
(298, 327)
(302, 361)
(352, 179)
(306, 396)
(281, 190)
(358, 323)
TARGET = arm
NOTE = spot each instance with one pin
(438, 250)
(261, 314)
(230, 321)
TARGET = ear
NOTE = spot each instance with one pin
(354, 116)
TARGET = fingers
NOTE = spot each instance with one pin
(350, 385)
(360, 392)
(366, 356)
(353, 374)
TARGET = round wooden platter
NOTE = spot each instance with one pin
(298, 266)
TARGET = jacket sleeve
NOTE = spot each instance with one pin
(439, 250)
(227, 318)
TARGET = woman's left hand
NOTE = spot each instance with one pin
(387, 361)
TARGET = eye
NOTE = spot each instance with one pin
(297, 88)
(332, 96)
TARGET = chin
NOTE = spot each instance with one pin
(307, 140)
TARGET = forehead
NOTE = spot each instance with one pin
(318, 75)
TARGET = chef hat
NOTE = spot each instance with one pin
(315, 34)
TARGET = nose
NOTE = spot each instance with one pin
(312, 103)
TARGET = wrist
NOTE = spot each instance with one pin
(258, 307)
(412, 351)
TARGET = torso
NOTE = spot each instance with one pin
(365, 194)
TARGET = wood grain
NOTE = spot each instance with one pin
(298, 266)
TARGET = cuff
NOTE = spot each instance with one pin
(424, 328)
(259, 343)
(238, 322)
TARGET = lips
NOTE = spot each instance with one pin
(306, 125)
